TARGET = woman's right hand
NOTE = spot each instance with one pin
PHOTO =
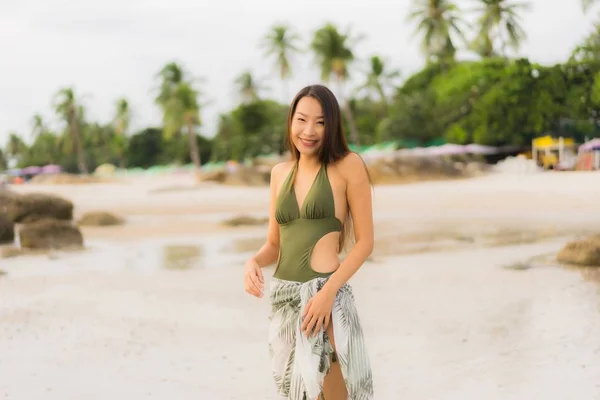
(253, 279)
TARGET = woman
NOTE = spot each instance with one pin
(315, 337)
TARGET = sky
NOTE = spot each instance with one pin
(114, 48)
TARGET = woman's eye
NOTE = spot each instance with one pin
(301, 119)
(321, 122)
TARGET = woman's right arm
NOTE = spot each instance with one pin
(269, 252)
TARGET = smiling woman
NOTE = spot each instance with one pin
(315, 338)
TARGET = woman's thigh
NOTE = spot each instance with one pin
(334, 387)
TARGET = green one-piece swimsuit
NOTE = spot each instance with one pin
(300, 228)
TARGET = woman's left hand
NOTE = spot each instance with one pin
(317, 313)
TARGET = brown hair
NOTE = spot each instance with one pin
(334, 146)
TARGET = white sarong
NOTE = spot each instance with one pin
(299, 364)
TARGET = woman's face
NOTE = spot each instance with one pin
(308, 126)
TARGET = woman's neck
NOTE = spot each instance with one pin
(309, 163)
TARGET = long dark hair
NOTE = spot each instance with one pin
(335, 145)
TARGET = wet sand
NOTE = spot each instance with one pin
(461, 299)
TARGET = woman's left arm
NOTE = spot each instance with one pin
(317, 312)
(358, 194)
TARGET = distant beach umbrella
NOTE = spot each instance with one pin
(13, 172)
(593, 144)
(51, 169)
(32, 170)
(446, 149)
(481, 149)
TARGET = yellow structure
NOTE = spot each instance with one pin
(549, 152)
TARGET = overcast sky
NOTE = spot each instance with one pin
(112, 48)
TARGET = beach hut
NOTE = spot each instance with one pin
(589, 155)
(554, 153)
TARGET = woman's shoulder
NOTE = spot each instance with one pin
(280, 170)
(352, 168)
(351, 160)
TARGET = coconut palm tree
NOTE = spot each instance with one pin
(378, 77)
(333, 54)
(66, 106)
(170, 76)
(190, 115)
(589, 49)
(121, 124)
(15, 146)
(499, 21)
(586, 4)
(483, 45)
(44, 140)
(439, 23)
(38, 126)
(178, 100)
(122, 117)
(280, 42)
(3, 161)
(248, 87)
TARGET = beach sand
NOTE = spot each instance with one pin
(460, 299)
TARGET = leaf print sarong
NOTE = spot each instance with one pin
(299, 364)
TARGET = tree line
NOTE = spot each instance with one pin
(495, 100)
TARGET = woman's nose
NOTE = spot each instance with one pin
(309, 128)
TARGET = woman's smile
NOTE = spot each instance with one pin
(309, 142)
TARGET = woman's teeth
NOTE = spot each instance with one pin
(308, 142)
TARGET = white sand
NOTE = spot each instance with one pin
(112, 322)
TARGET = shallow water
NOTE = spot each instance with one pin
(181, 257)
(175, 253)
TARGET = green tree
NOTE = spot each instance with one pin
(3, 161)
(67, 107)
(528, 101)
(45, 148)
(121, 123)
(144, 149)
(499, 21)
(589, 50)
(16, 147)
(170, 76)
(369, 114)
(178, 100)
(38, 126)
(101, 142)
(413, 117)
(333, 53)
(378, 78)
(280, 42)
(248, 87)
(251, 129)
(587, 4)
(229, 140)
(440, 24)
